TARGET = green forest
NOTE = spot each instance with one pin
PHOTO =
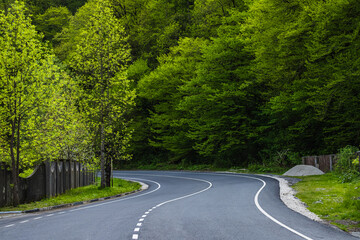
(177, 82)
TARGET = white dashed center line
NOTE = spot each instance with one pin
(139, 224)
(135, 236)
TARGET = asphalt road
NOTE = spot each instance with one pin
(178, 206)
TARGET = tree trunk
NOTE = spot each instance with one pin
(102, 154)
(102, 132)
(108, 172)
(14, 166)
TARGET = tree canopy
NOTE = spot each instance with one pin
(228, 83)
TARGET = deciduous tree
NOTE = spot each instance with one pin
(99, 62)
(27, 70)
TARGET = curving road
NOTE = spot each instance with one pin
(178, 206)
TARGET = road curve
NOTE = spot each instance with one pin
(178, 206)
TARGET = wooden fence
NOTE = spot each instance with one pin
(48, 179)
(325, 163)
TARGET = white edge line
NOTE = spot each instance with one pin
(256, 200)
(121, 199)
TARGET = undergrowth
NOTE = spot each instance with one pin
(79, 194)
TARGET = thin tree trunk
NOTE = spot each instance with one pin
(102, 132)
(14, 165)
(108, 172)
(102, 151)
(18, 154)
(108, 161)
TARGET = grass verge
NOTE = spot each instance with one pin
(79, 194)
(333, 201)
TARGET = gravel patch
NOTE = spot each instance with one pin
(303, 170)
(287, 195)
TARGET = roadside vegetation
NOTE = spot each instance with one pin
(332, 200)
(335, 196)
(191, 84)
(252, 168)
(80, 194)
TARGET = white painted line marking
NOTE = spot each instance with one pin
(49, 215)
(37, 218)
(24, 221)
(122, 199)
(147, 212)
(189, 195)
(256, 200)
(135, 236)
(11, 225)
(61, 212)
(139, 224)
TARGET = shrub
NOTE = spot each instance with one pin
(345, 167)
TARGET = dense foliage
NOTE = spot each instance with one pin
(226, 83)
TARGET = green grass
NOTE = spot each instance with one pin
(79, 194)
(336, 202)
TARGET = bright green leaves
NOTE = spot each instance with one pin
(227, 81)
(29, 106)
(27, 74)
(99, 61)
